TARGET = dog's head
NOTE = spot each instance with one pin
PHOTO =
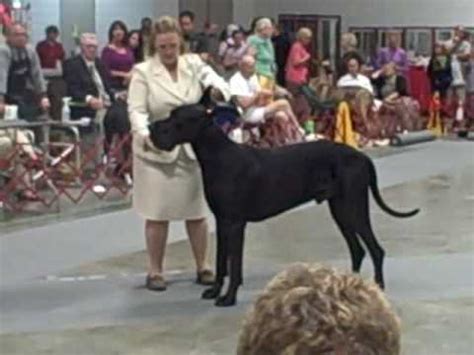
(182, 126)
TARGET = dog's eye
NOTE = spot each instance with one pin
(165, 131)
(179, 126)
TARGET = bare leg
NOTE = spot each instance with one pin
(156, 233)
(198, 234)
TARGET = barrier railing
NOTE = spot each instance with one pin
(65, 172)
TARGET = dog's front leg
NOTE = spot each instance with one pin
(221, 262)
(235, 246)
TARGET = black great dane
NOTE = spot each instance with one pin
(244, 184)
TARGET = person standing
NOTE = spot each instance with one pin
(168, 185)
(21, 79)
(393, 53)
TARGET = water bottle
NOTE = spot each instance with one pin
(66, 111)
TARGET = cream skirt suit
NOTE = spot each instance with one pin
(167, 185)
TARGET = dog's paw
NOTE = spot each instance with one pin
(211, 293)
(225, 301)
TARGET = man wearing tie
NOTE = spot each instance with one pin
(87, 81)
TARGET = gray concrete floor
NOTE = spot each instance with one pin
(76, 287)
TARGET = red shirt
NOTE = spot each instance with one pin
(49, 53)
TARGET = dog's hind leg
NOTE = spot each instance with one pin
(342, 215)
(235, 245)
(363, 228)
(221, 261)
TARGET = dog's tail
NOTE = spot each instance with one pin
(378, 198)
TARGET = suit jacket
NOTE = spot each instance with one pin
(80, 84)
(153, 95)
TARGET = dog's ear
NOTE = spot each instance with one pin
(206, 98)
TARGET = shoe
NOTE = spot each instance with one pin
(205, 277)
(155, 283)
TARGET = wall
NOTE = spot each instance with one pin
(365, 12)
(75, 13)
(43, 13)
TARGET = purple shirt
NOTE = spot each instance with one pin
(114, 60)
(398, 56)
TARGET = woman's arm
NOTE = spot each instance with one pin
(137, 104)
(207, 76)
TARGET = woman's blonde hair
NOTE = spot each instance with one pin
(310, 309)
(349, 39)
(263, 23)
(304, 32)
(164, 24)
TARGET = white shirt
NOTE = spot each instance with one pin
(360, 81)
(458, 69)
(241, 86)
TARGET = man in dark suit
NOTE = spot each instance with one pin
(87, 81)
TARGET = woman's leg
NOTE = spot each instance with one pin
(156, 233)
(198, 234)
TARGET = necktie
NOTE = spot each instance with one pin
(99, 85)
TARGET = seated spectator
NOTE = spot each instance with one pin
(87, 80)
(297, 72)
(310, 309)
(21, 80)
(135, 45)
(117, 57)
(50, 51)
(348, 50)
(357, 90)
(279, 124)
(439, 70)
(393, 53)
(399, 112)
(235, 51)
(227, 40)
(89, 88)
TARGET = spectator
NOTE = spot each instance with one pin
(439, 70)
(87, 81)
(393, 53)
(50, 51)
(460, 50)
(357, 90)
(226, 39)
(399, 112)
(194, 42)
(211, 33)
(311, 309)
(168, 185)
(117, 57)
(297, 72)
(21, 80)
(280, 124)
(282, 45)
(261, 47)
(353, 78)
(145, 33)
(349, 50)
(235, 51)
(134, 43)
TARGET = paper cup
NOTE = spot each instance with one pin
(11, 112)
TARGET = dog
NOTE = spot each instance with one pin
(244, 184)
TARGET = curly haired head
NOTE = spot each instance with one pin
(310, 309)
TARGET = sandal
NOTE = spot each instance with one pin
(205, 277)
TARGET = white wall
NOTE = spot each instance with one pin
(365, 12)
(43, 13)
